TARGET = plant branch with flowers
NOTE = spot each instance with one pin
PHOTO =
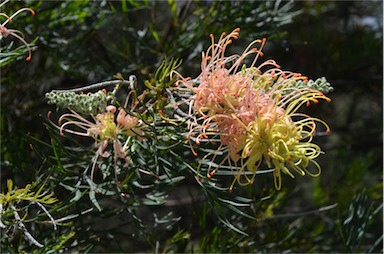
(233, 119)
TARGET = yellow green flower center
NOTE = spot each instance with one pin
(283, 145)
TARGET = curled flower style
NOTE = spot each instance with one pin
(254, 111)
(128, 124)
(282, 142)
(103, 129)
(5, 32)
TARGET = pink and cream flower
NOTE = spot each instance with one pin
(104, 129)
(254, 112)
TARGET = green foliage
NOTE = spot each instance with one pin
(16, 195)
(17, 211)
(353, 229)
(221, 241)
(258, 19)
(9, 55)
(56, 244)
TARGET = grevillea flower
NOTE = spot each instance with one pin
(254, 111)
(15, 33)
(104, 129)
(284, 143)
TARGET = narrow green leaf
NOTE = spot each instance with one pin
(60, 166)
(92, 194)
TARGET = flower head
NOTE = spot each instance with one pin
(104, 129)
(254, 112)
(104, 126)
(283, 143)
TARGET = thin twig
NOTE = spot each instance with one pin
(24, 228)
(130, 82)
(48, 214)
(69, 217)
(177, 109)
(1, 212)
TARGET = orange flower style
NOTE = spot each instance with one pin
(5, 32)
(254, 111)
(104, 129)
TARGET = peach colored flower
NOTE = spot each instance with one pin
(254, 111)
(104, 129)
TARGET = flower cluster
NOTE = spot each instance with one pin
(81, 103)
(254, 111)
(104, 128)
